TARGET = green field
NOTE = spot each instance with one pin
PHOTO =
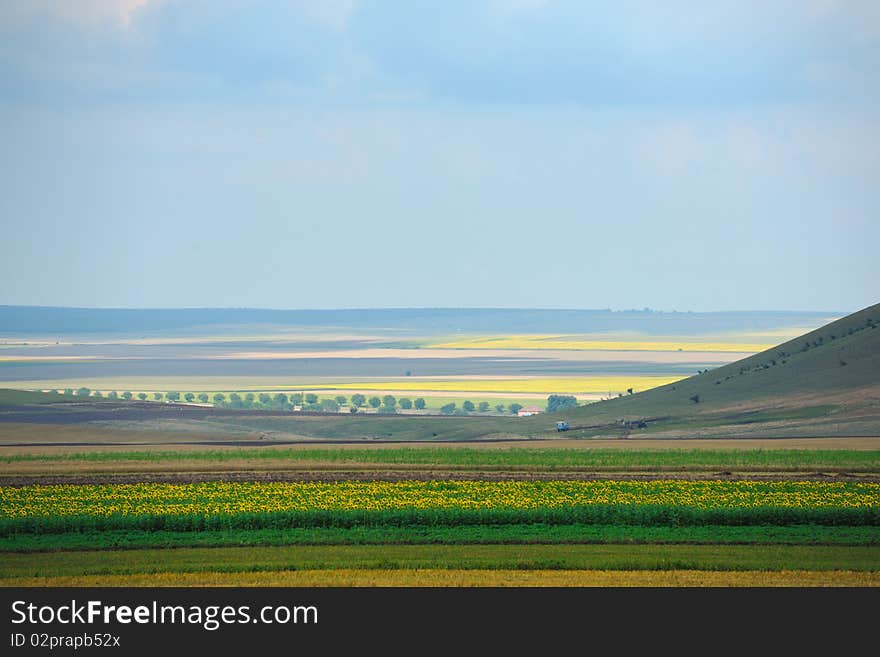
(335, 532)
(537, 533)
(519, 557)
(508, 457)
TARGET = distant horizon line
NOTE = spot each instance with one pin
(645, 309)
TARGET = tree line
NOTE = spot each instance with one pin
(309, 401)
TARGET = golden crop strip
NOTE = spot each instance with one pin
(537, 385)
(211, 498)
(567, 343)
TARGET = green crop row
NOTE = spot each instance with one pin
(856, 460)
(440, 534)
(646, 515)
(389, 557)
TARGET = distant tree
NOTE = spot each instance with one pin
(279, 400)
(266, 398)
(389, 400)
(629, 391)
(352, 409)
(250, 397)
(127, 395)
(97, 393)
(514, 408)
(203, 397)
(341, 400)
(157, 396)
(296, 398)
(483, 406)
(467, 406)
(448, 409)
(234, 397)
(172, 396)
(219, 398)
(311, 398)
(419, 403)
(556, 403)
(142, 396)
(329, 406)
(358, 400)
(695, 399)
(500, 408)
(190, 397)
(405, 403)
(68, 391)
(112, 395)
(387, 410)
(375, 402)
(83, 392)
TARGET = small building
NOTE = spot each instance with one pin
(526, 411)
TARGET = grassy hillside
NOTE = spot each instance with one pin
(833, 370)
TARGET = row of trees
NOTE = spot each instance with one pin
(468, 407)
(309, 401)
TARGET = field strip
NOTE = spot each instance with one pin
(431, 463)
(540, 354)
(591, 384)
(457, 383)
(533, 533)
(147, 475)
(459, 578)
(449, 557)
(20, 433)
(567, 343)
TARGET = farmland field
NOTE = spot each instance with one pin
(605, 356)
(762, 472)
(427, 533)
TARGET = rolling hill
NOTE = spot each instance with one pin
(825, 382)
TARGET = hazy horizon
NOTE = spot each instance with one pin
(324, 154)
(645, 309)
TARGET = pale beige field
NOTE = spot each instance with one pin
(666, 356)
(577, 343)
(458, 578)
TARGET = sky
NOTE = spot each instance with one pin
(481, 153)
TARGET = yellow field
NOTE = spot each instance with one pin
(572, 343)
(540, 386)
(537, 385)
(223, 497)
(456, 577)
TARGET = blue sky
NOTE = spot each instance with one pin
(502, 153)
